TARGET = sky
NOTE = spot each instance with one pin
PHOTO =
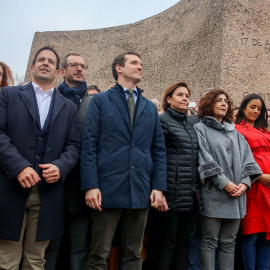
(20, 19)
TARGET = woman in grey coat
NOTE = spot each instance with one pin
(227, 169)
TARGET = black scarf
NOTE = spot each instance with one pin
(75, 94)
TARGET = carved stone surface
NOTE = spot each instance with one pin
(207, 43)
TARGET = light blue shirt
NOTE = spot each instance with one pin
(135, 94)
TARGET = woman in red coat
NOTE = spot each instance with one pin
(251, 122)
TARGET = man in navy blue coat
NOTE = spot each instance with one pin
(39, 145)
(123, 165)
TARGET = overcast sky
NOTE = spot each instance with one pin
(20, 19)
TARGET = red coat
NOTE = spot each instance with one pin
(258, 197)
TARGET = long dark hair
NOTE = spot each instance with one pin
(261, 121)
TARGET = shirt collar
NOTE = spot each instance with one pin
(135, 89)
(38, 89)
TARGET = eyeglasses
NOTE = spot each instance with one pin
(76, 65)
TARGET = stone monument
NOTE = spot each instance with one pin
(207, 43)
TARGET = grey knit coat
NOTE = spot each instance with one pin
(224, 156)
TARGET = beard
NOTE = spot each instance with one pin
(74, 81)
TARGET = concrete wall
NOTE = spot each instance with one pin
(208, 43)
(246, 48)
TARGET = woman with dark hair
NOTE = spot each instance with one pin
(227, 169)
(183, 194)
(251, 122)
(6, 78)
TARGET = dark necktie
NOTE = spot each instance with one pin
(131, 104)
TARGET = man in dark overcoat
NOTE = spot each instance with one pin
(75, 242)
(123, 164)
(39, 145)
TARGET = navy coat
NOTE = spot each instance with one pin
(126, 166)
(17, 151)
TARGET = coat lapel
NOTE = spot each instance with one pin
(141, 104)
(27, 95)
(59, 102)
(118, 101)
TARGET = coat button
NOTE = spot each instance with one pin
(39, 138)
(37, 157)
(133, 145)
(228, 150)
(31, 147)
(132, 168)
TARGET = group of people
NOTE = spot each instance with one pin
(85, 165)
(220, 168)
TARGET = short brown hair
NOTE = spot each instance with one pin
(208, 101)
(49, 48)
(169, 92)
(64, 60)
(121, 60)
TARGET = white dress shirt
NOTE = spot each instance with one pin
(43, 101)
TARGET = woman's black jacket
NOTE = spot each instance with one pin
(182, 161)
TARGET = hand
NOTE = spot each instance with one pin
(265, 180)
(231, 188)
(164, 206)
(242, 189)
(50, 172)
(93, 198)
(28, 177)
(156, 198)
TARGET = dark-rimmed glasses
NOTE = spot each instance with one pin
(76, 65)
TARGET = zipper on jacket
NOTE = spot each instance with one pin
(192, 161)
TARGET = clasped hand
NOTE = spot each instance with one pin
(28, 177)
(235, 190)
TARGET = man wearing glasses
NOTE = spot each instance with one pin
(74, 87)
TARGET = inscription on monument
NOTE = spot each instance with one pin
(257, 42)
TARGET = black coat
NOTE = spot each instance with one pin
(182, 161)
(74, 197)
(18, 150)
